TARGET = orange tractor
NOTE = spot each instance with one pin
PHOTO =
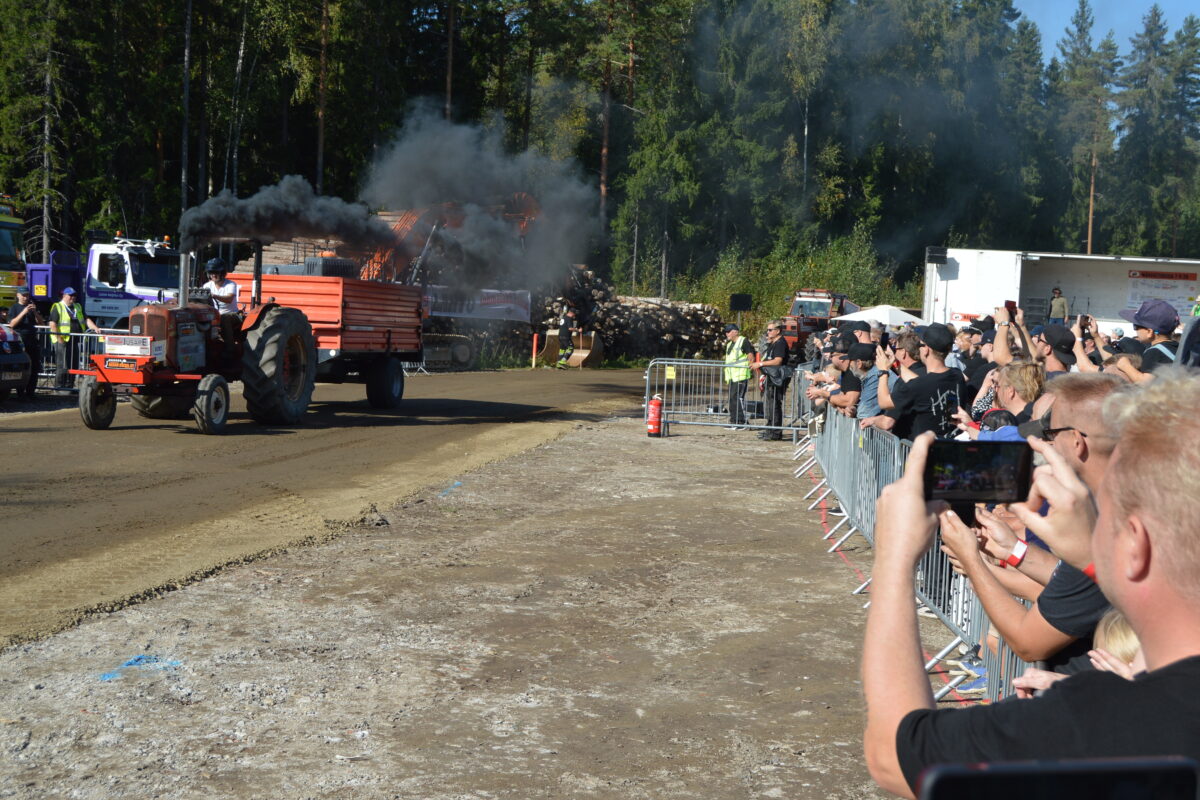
(172, 365)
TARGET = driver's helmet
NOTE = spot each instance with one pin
(216, 266)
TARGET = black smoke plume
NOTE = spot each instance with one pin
(434, 161)
(288, 209)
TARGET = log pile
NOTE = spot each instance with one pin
(636, 327)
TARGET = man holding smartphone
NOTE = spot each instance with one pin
(1141, 548)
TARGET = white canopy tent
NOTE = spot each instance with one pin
(888, 315)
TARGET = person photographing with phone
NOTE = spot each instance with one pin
(1138, 540)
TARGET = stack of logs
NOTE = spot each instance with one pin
(637, 327)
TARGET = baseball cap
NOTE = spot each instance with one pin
(854, 325)
(731, 327)
(989, 336)
(861, 352)
(937, 337)
(1157, 315)
(843, 343)
(68, 290)
(22, 290)
(1061, 341)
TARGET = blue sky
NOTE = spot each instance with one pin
(1122, 17)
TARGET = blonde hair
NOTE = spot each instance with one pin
(1027, 377)
(1155, 471)
(1114, 634)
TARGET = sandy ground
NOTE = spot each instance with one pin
(597, 615)
(93, 519)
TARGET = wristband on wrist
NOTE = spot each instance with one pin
(1018, 553)
(1090, 571)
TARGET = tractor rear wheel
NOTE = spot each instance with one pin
(97, 403)
(211, 408)
(279, 367)
(385, 383)
(165, 407)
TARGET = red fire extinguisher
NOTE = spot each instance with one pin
(654, 416)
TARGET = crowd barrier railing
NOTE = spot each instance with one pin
(85, 345)
(852, 465)
(695, 392)
(855, 464)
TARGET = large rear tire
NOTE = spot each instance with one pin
(168, 407)
(211, 409)
(279, 367)
(97, 403)
(385, 383)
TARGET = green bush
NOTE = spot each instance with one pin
(847, 264)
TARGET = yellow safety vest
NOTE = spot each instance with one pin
(738, 369)
(63, 317)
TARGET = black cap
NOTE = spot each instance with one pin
(732, 327)
(937, 337)
(843, 343)
(860, 351)
(850, 326)
(989, 336)
(1061, 341)
(1157, 315)
(985, 324)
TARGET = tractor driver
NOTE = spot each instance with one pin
(225, 298)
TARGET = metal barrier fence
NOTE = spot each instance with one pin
(85, 346)
(855, 465)
(694, 392)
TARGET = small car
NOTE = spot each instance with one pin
(14, 362)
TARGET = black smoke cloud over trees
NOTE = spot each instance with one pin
(433, 161)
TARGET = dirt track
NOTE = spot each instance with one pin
(92, 518)
(602, 615)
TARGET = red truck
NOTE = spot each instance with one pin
(810, 313)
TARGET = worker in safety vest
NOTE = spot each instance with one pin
(738, 355)
(67, 318)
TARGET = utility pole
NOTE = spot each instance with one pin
(449, 56)
(187, 73)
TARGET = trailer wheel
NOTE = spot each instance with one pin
(279, 367)
(211, 408)
(385, 383)
(97, 403)
(166, 407)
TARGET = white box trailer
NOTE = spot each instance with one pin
(963, 284)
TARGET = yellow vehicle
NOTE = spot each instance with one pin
(12, 252)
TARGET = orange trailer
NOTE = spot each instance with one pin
(364, 330)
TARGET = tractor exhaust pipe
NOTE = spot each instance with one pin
(256, 289)
(185, 278)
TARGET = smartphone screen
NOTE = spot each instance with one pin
(978, 472)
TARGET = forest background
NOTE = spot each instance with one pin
(754, 146)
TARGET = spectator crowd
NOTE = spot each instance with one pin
(1095, 577)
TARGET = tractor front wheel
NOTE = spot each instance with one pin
(161, 406)
(97, 403)
(211, 407)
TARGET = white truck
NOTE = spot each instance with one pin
(112, 278)
(963, 284)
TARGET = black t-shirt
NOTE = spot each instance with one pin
(975, 379)
(1152, 357)
(1072, 603)
(1090, 715)
(564, 332)
(927, 403)
(973, 363)
(849, 382)
(27, 326)
(776, 349)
